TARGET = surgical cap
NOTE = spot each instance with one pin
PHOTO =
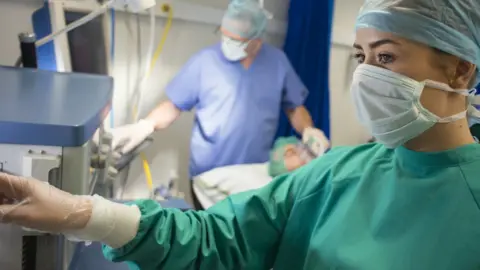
(245, 18)
(451, 26)
(276, 166)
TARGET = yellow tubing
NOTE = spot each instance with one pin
(165, 8)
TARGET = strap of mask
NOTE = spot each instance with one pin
(445, 87)
(472, 113)
(453, 118)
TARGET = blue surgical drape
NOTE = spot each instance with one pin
(307, 45)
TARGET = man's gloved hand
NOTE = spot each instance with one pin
(128, 137)
(316, 140)
(37, 205)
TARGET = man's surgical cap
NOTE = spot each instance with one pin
(452, 26)
(245, 18)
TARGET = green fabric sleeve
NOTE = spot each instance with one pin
(241, 232)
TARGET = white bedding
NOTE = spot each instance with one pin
(215, 185)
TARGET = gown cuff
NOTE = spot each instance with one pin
(111, 223)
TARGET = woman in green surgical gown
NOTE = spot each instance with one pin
(408, 201)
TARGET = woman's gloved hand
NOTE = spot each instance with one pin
(37, 205)
(128, 137)
(316, 140)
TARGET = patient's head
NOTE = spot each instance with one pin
(288, 154)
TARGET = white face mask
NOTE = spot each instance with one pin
(388, 104)
(234, 50)
(305, 153)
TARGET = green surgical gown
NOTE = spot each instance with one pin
(362, 208)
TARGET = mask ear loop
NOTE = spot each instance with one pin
(447, 88)
(454, 117)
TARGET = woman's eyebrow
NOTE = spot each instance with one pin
(377, 44)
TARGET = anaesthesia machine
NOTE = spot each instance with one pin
(47, 120)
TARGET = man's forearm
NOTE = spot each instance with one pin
(164, 115)
(299, 118)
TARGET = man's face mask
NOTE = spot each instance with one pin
(234, 50)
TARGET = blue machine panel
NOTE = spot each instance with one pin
(51, 108)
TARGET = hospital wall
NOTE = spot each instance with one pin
(345, 128)
(14, 18)
(169, 154)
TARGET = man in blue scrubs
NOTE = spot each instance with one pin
(238, 87)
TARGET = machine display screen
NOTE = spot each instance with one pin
(88, 52)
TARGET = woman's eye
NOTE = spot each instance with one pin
(385, 58)
(359, 57)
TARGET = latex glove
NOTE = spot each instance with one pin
(37, 205)
(130, 136)
(316, 140)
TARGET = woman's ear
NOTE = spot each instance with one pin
(464, 75)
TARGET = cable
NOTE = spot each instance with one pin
(75, 24)
(112, 35)
(129, 16)
(146, 71)
(93, 182)
(166, 8)
(151, 66)
(146, 166)
(140, 72)
(158, 51)
(139, 65)
(112, 59)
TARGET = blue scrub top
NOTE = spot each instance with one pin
(237, 109)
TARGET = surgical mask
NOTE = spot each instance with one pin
(305, 153)
(277, 166)
(234, 50)
(388, 104)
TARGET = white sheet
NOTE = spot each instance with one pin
(215, 185)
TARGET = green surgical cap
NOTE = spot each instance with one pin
(451, 26)
(276, 166)
(245, 18)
